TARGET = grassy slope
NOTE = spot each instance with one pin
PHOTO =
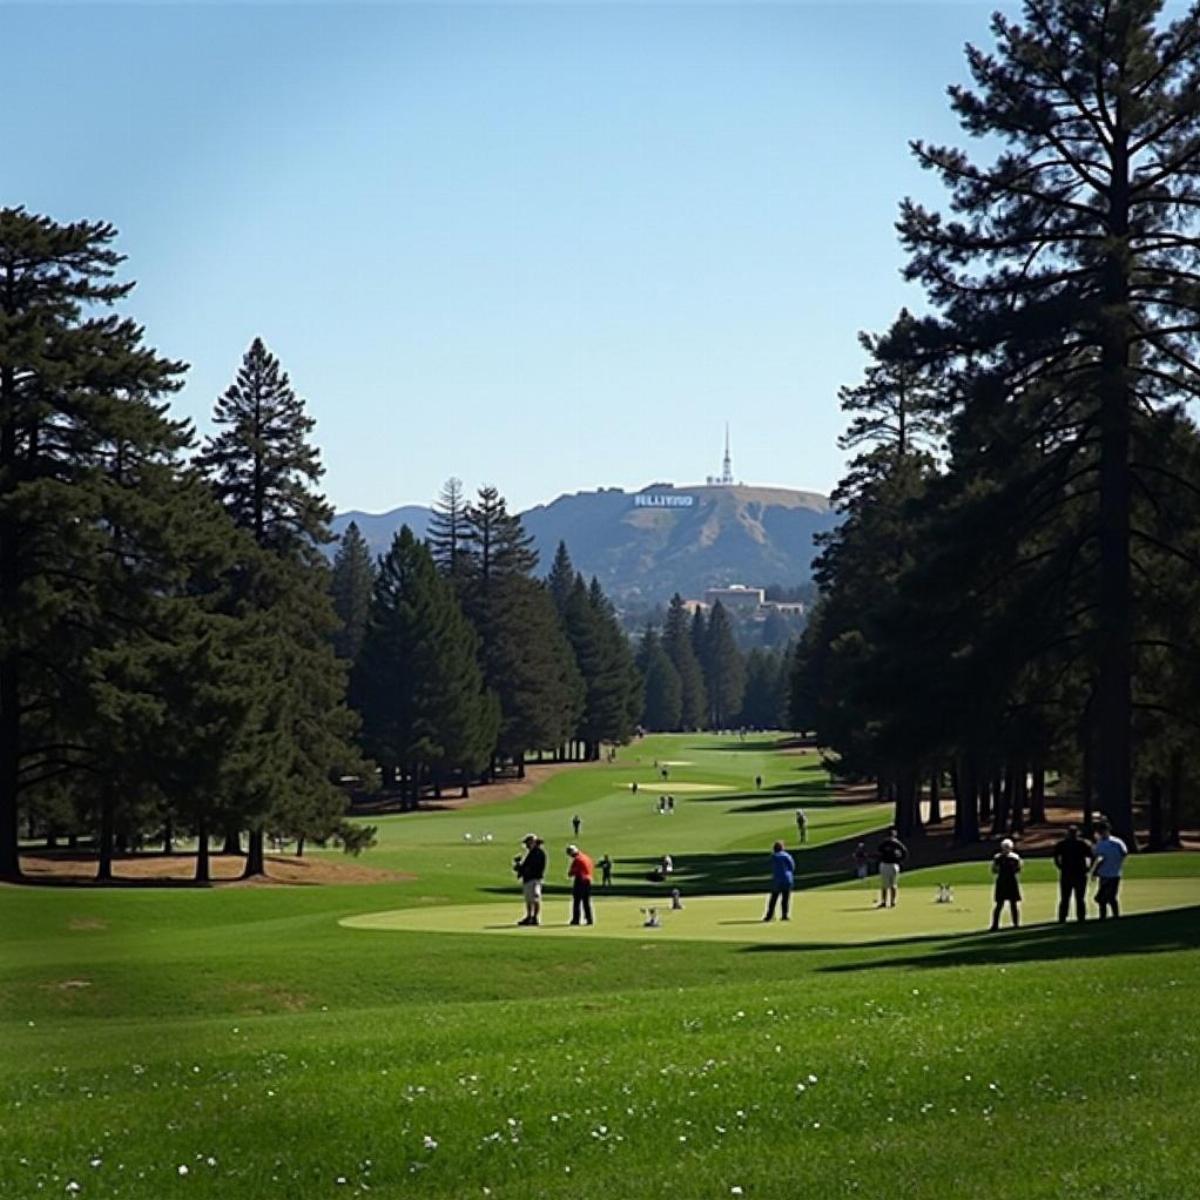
(248, 1027)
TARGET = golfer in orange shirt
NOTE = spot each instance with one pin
(580, 872)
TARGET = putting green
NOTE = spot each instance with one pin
(669, 785)
(825, 916)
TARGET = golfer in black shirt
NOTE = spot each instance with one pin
(891, 853)
(1072, 857)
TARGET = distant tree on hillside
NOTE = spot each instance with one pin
(561, 580)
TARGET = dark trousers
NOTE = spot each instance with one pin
(778, 894)
(1068, 886)
(1106, 897)
(581, 901)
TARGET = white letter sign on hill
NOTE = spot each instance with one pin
(662, 500)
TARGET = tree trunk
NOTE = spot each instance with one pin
(1174, 800)
(1037, 796)
(1085, 785)
(203, 875)
(1002, 796)
(1156, 813)
(168, 836)
(966, 802)
(256, 862)
(984, 785)
(1114, 695)
(233, 840)
(300, 846)
(1020, 795)
(935, 796)
(907, 813)
(521, 764)
(107, 803)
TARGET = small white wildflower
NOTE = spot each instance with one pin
(182, 1168)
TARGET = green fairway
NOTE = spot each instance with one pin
(240, 1043)
(830, 917)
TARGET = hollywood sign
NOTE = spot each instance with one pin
(662, 500)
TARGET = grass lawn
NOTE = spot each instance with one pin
(261, 1042)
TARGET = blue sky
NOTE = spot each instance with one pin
(549, 247)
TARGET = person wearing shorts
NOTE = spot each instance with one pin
(531, 870)
(891, 853)
(1108, 861)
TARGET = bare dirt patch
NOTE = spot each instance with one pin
(166, 870)
(86, 924)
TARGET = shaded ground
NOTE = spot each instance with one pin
(179, 869)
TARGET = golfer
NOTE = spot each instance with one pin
(531, 870)
(1006, 866)
(802, 825)
(1108, 863)
(580, 873)
(1072, 857)
(891, 853)
(783, 875)
(606, 866)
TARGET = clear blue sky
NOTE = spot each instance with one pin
(549, 247)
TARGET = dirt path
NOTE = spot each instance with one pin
(176, 870)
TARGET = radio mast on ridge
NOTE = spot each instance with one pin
(727, 463)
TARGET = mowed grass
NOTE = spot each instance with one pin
(249, 1037)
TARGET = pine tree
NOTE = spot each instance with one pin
(526, 658)
(1066, 284)
(263, 469)
(76, 384)
(726, 677)
(417, 681)
(663, 692)
(449, 531)
(260, 462)
(351, 585)
(677, 642)
(561, 580)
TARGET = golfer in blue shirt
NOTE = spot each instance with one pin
(783, 875)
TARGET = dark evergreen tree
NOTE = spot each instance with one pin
(264, 470)
(1066, 283)
(663, 692)
(449, 531)
(417, 681)
(77, 388)
(351, 585)
(561, 580)
(261, 464)
(526, 658)
(677, 642)
(725, 674)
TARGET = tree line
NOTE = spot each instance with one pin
(696, 677)
(1011, 597)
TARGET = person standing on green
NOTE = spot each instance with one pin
(1072, 857)
(1006, 866)
(783, 876)
(1109, 861)
(605, 865)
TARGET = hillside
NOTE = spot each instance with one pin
(644, 546)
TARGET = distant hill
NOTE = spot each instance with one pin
(644, 546)
(378, 528)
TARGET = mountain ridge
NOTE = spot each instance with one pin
(647, 544)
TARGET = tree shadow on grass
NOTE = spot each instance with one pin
(1144, 933)
(760, 744)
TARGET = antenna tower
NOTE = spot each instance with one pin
(727, 463)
